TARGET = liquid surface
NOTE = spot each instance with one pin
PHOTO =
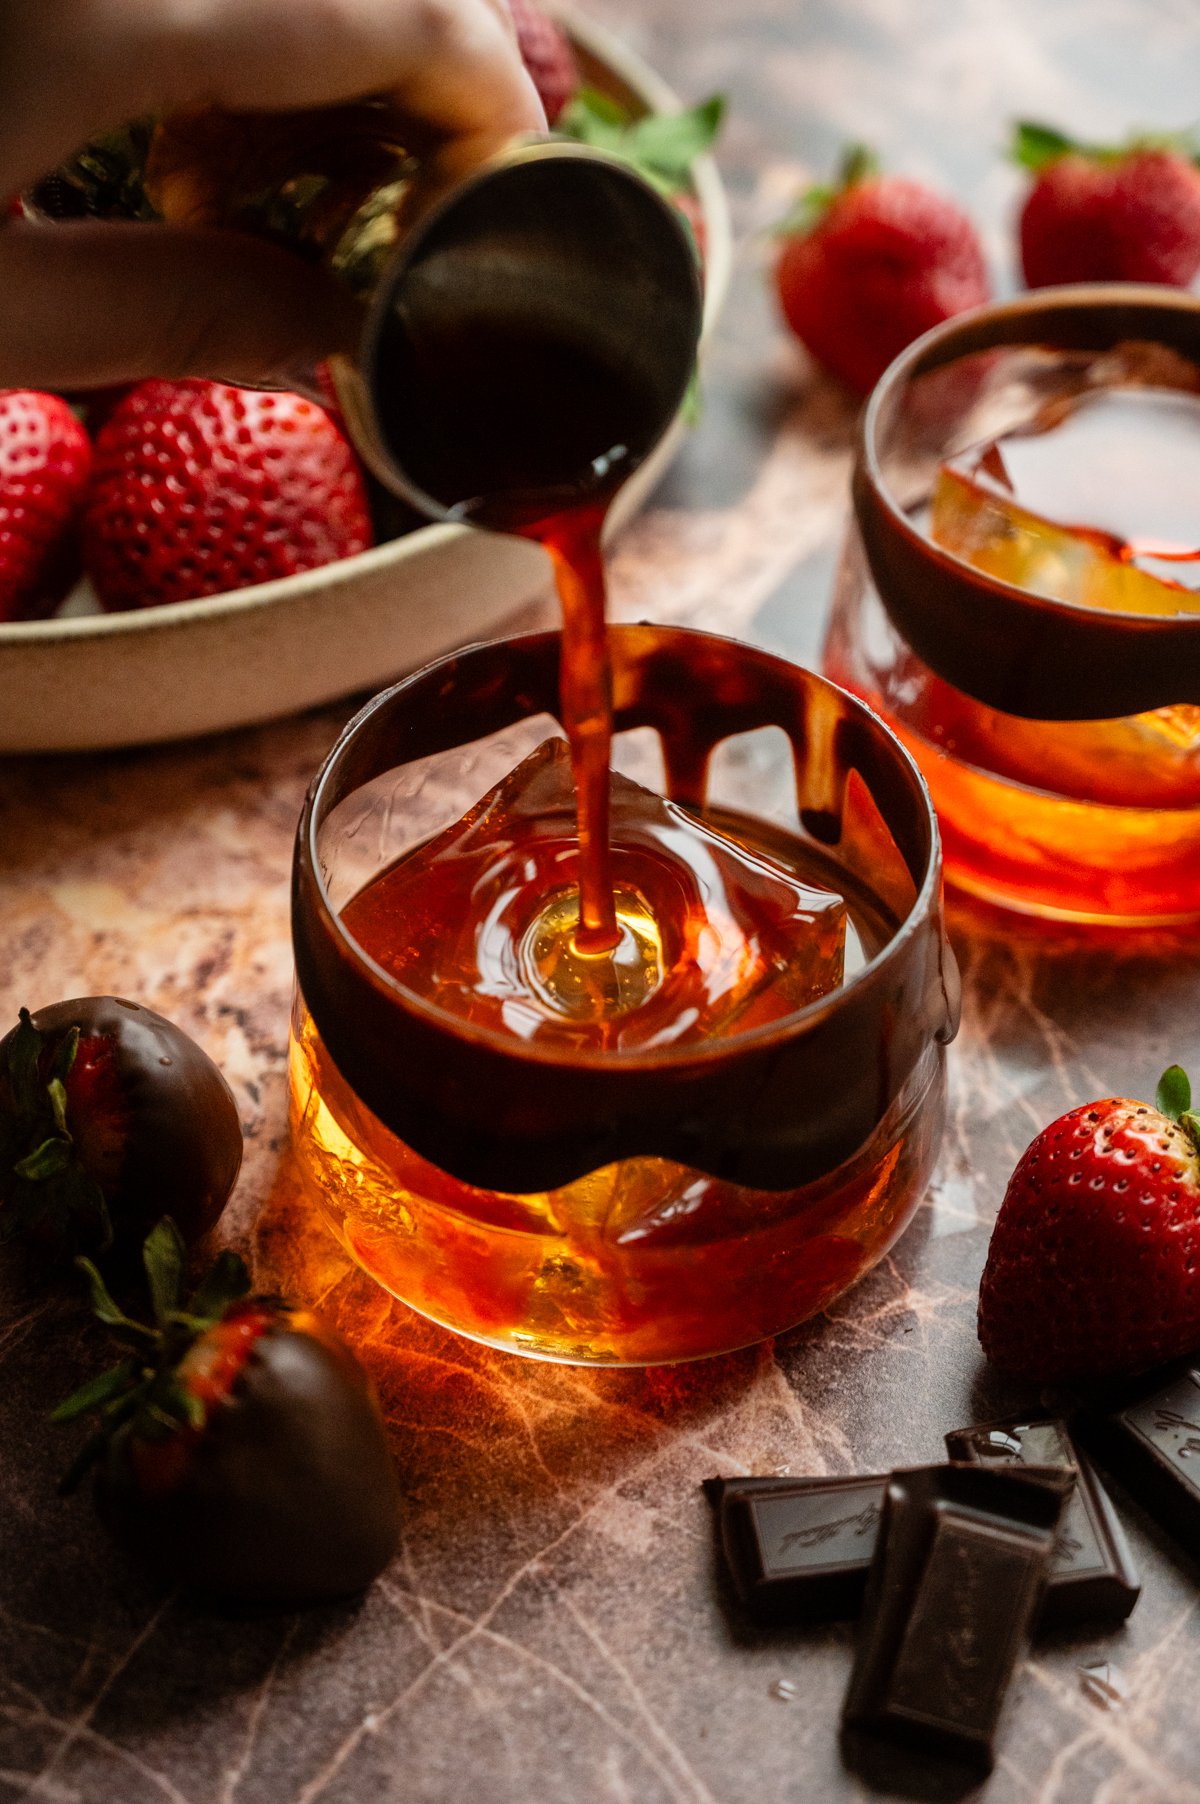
(1095, 503)
(712, 935)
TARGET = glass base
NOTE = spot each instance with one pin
(642, 1263)
(1055, 858)
(1058, 821)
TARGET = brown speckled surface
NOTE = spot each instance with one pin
(554, 1628)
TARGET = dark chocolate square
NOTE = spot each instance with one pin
(799, 1549)
(958, 1575)
(1092, 1575)
(1151, 1441)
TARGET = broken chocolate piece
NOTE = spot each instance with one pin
(1091, 1573)
(1151, 1442)
(957, 1578)
(799, 1549)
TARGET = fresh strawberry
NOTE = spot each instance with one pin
(199, 488)
(547, 54)
(108, 1115)
(871, 264)
(241, 1450)
(45, 459)
(1094, 1265)
(1129, 213)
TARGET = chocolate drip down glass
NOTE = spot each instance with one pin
(648, 1203)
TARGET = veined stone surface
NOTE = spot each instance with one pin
(555, 1627)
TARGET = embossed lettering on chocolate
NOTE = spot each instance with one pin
(799, 1549)
(955, 1584)
(1092, 1573)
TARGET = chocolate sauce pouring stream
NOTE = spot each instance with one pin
(529, 346)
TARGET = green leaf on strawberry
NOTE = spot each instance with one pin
(1174, 1099)
(240, 1448)
(662, 147)
(145, 1390)
(1035, 146)
(859, 164)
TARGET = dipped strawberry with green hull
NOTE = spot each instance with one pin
(1098, 213)
(871, 263)
(45, 463)
(1094, 1265)
(108, 1115)
(199, 488)
(240, 1451)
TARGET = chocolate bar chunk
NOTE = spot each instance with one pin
(1091, 1573)
(957, 1578)
(1151, 1442)
(799, 1548)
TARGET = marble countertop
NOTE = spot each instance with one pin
(555, 1627)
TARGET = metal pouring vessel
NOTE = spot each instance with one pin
(550, 241)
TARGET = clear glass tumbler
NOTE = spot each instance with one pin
(628, 1207)
(1060, 741)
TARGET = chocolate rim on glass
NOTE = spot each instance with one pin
(779, 1118)
(1017, 651)
(1060, 736)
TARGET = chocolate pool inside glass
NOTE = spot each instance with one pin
(1020, 596)
(671, 1149)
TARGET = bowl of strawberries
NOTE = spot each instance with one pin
(185, 557)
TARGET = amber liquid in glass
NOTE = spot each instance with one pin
(1097, 504)
(575, 910)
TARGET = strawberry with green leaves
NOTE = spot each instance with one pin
(108, 1115)
(1094, 1265)
(240, 1448)
(871, 263)
(1109, 213)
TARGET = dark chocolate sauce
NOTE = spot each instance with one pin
(505, 417)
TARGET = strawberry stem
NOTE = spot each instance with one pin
(145, 1388)
(43, 1183)
(1035, 146)
(859, 164)
(1174, 1100)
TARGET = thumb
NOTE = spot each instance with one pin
(92, 304)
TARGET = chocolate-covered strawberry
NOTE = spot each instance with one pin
(241, 1450)
(110, 1116)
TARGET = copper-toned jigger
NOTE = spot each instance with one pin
(808, 1140)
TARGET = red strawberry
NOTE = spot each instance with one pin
(45, 459)
(1094, 1265)
(869, 265)
(1127, 214)
(547, 54)
(200, 487)
(108, 1115)
(241, 1449)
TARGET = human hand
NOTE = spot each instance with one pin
(89, 304)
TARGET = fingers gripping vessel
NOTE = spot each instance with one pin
(640, 1177)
